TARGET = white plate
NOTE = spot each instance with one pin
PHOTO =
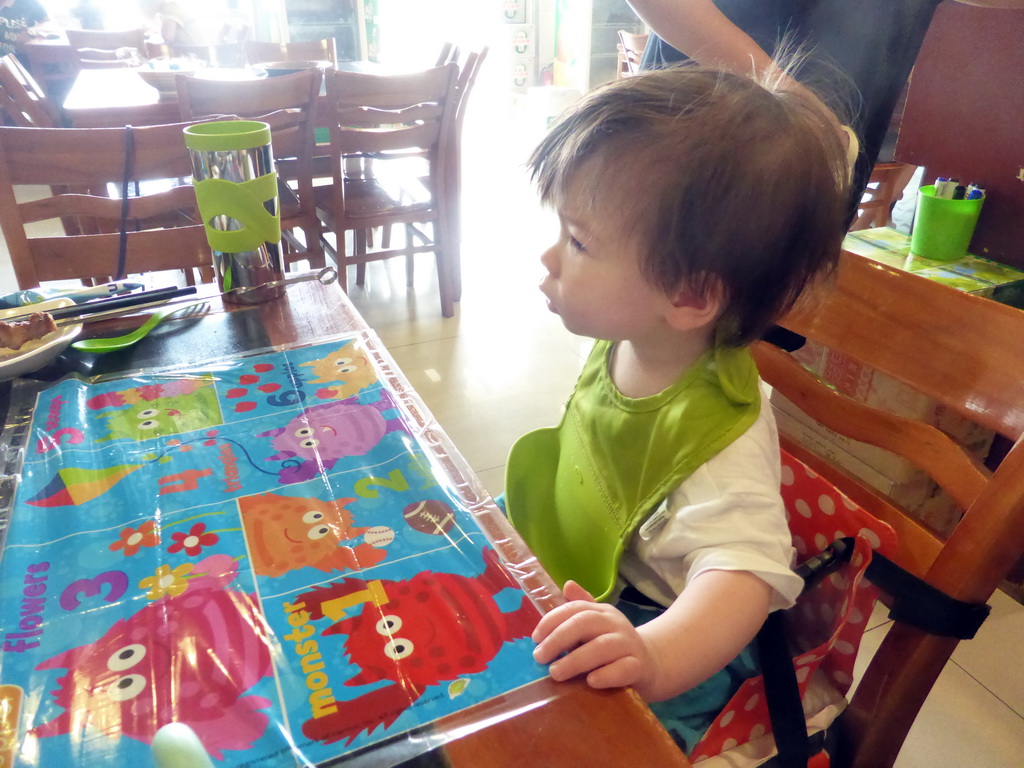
(33, 355)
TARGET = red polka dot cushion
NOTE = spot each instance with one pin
(826, 624)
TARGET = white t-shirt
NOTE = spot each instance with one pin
(728, 515)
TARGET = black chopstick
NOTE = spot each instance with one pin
(121, 302)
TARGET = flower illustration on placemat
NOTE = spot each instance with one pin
(132, 539)
(193, 541)
(167, 581)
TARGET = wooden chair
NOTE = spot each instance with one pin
(107, 39)
(219, 55)
(88, 161)
(463, 87)
(54, 67)
(396, 120)
(22, 101)
(885, 186)
(259, 51)
(631, 51)
(288, 103)
(449, 53)
(964, 352)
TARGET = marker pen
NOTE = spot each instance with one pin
(959, 191)
(948, 185)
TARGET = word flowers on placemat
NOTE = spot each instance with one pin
(263, 550)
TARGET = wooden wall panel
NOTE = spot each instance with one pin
(964, 117)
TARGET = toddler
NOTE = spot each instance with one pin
(694, 206)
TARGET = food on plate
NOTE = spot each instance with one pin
(14, 334)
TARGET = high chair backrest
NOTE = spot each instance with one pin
(161, 227)
(966, 353)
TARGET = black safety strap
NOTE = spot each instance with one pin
(782, 693)
(915, 602)
(126, 177)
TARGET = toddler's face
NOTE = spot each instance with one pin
(593, 279)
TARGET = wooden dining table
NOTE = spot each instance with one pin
(537, 723)
(100, 98)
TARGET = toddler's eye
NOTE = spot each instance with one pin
(575, 244)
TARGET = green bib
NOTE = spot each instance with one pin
(576, 492)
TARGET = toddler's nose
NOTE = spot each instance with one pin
(549, 259)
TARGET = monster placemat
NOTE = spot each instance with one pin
(261, 550)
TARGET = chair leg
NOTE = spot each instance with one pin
(360, 248)
(444, 279)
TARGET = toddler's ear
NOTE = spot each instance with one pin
(691, 309)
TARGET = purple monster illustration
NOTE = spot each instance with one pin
(314, 440)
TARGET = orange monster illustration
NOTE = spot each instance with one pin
(347, 369)
(285, 533)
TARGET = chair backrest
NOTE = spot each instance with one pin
(449, 53)
(385, 113)
(288, 103)
(87, 161)
(632, 51)
(885, 186)
(294, 96)
(467, 78)
(22, 101)
(259, 51)
(965, 353)
(107, 39)
(219, 55)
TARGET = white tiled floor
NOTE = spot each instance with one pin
(504, 365)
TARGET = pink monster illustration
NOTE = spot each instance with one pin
(187, 658)
(148, 393)
(314, 440)
(416, 633)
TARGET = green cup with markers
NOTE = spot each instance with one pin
(943, 227)
(236, 191)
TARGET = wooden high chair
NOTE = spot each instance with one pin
(631, 50)
(885, 186)
(99, 48)
(162, 229)
(967, 353)
(22, 101)
(288, 104)
(396, 121)
(464, 85)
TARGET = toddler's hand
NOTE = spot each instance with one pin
(598, 640)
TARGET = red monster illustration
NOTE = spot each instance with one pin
(187, 658)
(416, 633)
(286, 533)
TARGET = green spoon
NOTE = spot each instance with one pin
(120, 342)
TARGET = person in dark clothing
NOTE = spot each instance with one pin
(17, 17)
(857, 56)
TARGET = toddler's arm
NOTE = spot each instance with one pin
(710, 622)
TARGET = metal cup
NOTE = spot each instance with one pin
(236, 191)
